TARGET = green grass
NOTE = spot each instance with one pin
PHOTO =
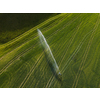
(75, 44)
(14, 24)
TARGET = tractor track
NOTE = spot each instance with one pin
(70, 42)
(75, 52)
(85, 54)
(56, 32)
(33, 36)
(31, 71)
(22, 53)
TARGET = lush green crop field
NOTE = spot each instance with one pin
(15, 24)
(74, 40)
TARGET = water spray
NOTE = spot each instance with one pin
(49, 55)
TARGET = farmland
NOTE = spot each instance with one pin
(74, 39)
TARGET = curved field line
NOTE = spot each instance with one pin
(24, 42)
(56, 53)
(51, 76)
(16, 48)
(19, 75)
(8, 74)
(31, 71)
(37, 35)
(56, 32)
(63, 28)
(71, 38)
(15, 58)
(10, 62)
(42, 75)
(34, 28)
(87, 50)
(49, 81)
(86, 53)
(60, 47)
(70, 42)
(49, 36)
(82, 64)
(76, 51)
(55, 23)
(19, 55)
(33, 36)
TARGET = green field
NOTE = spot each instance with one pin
(74, 39)
(15, 24)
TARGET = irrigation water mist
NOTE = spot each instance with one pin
(49, 55)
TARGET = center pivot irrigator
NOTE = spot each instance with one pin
(49, 55)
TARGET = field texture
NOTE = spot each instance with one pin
(74, 40)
